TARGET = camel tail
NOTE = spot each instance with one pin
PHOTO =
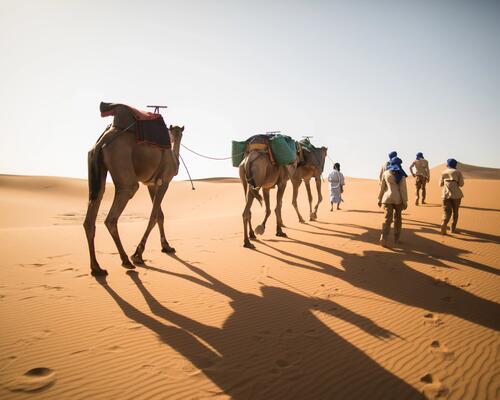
(95, 173)
(256, 194)
(251, 182)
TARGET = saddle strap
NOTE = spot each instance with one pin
(257, 146)
(263, 147)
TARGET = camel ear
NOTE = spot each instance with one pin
(182, 129)
(170, 127)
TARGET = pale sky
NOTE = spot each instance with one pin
(362, 77)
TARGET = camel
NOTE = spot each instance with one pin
(129, 163)
(311, 165)
(258, 171)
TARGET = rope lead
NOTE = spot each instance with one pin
(183, 163)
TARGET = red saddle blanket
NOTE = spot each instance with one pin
(150, 128)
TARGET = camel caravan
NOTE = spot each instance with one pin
(138, 147)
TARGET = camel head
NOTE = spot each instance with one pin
(175, 133)
(323, 152)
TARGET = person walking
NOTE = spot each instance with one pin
(422, 175)
(385, 165)
(394, 197)
(336, 179)
(451, 181)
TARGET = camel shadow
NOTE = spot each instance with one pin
(272, 346)
(387, 274)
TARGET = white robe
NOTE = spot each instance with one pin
(336, 179)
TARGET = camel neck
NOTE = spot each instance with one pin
(176, 146)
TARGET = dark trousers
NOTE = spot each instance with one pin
(392, 211)
(450, 208)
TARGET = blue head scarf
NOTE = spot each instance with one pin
(420, 155)
(393, 154)
(451, 163)
(395, 165)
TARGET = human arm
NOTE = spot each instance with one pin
(404, 193)
(411, 169)
(382, 170)
(441, 180)
(383, 188)
(460, 179)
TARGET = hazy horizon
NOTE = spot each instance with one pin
(362, 78)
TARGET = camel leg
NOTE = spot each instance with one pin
(310, 198)
(165, 247)
(122, 197)
(320, 197)
(262, 227)
(277, 210)
(246, 220)
(89, 225)
(296, 185)
(251, 233)
(153, 219)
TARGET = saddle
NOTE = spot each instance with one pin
(260, 143)
(309, 154)
(149, 128)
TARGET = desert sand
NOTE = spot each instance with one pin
(323, 314)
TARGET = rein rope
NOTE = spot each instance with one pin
(209, 157)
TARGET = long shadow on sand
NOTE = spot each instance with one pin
(272, 346)
(387, 274)
(480, 208)
(470, 236)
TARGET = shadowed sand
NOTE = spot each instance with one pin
(323, 314)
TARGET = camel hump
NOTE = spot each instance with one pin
(106, 109)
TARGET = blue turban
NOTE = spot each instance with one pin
(420, 155)
(395, 165)
(451, 163)
(393, 154)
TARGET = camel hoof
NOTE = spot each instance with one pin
(168, 250)
(136, 259)
(98, 272)
(128, 265)
(248, 245)
(302, 221)
(259, 230)
(313, 217)
(281, 234)
(252, 236)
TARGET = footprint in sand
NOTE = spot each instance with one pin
(48, 287)
(431, 319)
(35, 379)
(442, 350)
(134, 326)
(447, 299)
(312, 333)
(282, 363)
(115, 349)
(433, 388)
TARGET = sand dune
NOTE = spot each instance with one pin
(474, 171)
(323, 314)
